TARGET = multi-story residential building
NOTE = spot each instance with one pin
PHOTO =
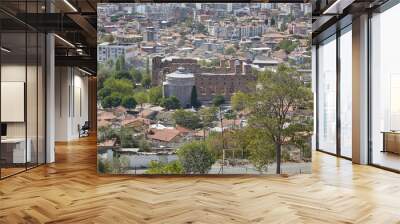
(128, 38)
(106, 51)
(150, 34)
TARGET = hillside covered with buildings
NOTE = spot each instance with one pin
(180, 86)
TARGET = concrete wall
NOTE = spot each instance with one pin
(71, 102)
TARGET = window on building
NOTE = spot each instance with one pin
(385, 89)
(327, 95)
(346, 92)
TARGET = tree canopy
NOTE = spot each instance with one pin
(195, 158)
(193, 98)
(208, 115)
(238, 101)
(129, 102)
(146, 81)
(120, 63)
(230, 51)
(218, 100)
(157, 167)
(136, 75)
(288, 45)
(155, 95)
(119, 86)
(187, 119)
(141, 98)
(170, 103)
(114, 100)
(278, 108)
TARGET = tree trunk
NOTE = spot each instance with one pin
(278, 158)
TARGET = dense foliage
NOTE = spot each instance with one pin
(170, 103)
(196, 158)
(278, 110)
(187, 119)
(157, 167)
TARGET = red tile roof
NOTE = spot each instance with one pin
(110, 142)
(131, 121)
(182, 130)
(105, 115)
(103, 123)
(165, 135)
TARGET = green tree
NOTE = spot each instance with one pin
(129, 102)
(157, 167)
(230, 51)
(106, 133)
(123, 75)
(103, 165)
(262, 155)
(193, 98)
(102, 74)
(136, 75)
(187, 119)
(120, 63)
(170, 103)
(155, 95)
(144, 146)
(214, 144)
(218, 100)
(195, 158)
(273, 21)
(141, 98)
(104, 92)
(238, 101)
(121, 87)
(146, 81)
(119, 164)
(127, 139)
(302, 139)
(148, 67)
(287, 45)
(240, 141)
(230, 115)
(208, 116)
(280, 107)
(201, 28)
(114, 100)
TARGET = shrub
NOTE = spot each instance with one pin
(195, 158)
(129, 102)
(157, 167)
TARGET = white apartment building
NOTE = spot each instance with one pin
(106, 51)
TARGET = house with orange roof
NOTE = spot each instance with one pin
(168, 137)
(183, 130)
(137, 122)
(164, 135)
(103, 123)
(109, 143)
(106, 115)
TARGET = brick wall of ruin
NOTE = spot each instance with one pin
(224, 81)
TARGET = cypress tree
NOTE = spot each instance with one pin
(193, 100)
